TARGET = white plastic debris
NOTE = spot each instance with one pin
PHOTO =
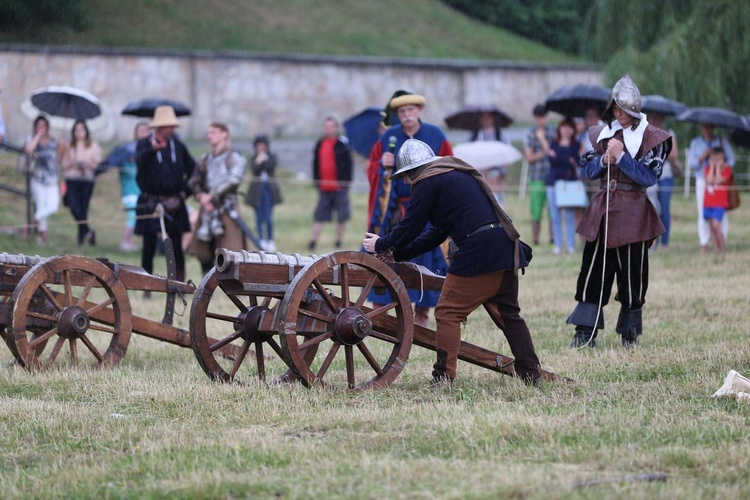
(735, 386)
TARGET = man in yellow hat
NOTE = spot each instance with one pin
(390, 199)
(164, 166)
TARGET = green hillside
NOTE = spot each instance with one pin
(390, 28)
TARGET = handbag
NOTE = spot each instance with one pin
(569, 194)
(733, 194)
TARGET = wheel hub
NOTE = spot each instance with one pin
(352, 326)
(73, 322)
(250, 323)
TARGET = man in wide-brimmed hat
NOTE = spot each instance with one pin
(389, 199)
(164, 166)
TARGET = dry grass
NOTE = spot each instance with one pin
(156, 426)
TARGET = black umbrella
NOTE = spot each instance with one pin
(68, 102)
(714, 116)
(741, 137)
(662, 105)
(362, 130)
(573, 101)
(468, 117)
(145, 107)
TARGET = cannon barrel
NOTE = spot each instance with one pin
(225, 258)
(20, 259)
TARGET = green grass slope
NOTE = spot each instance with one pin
(419, 28)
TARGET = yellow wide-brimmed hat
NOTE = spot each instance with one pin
(164, 117)
(407, 98)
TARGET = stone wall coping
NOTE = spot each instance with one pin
(343, 60)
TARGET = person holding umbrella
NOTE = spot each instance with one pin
(79, 161)
(698, 156)
(123, 157)
(164, 166)
(43, 185)
(392, 199)
(620, 223)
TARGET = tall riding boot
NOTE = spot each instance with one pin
(587, 318)
(180, 275)
(630, 326)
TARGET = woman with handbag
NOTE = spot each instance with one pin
(79, 161)
(41, 160)
(563, 158)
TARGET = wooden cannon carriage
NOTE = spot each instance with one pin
(46, 303)
(310, 313)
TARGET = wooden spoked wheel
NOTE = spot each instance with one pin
(358, 347)
(69, 300)
(235, 320)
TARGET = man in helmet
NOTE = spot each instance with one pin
(620, 223)
(454, 197)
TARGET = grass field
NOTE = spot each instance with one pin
(155, 426)
(387, 28)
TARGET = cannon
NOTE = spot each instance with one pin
(310, 314)
(46, 303)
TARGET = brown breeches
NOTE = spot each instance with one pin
(498, 292)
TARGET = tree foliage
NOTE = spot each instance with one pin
(557, 23)
(698, 55)
(24, 15)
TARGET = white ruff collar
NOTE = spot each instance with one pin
(632, 138)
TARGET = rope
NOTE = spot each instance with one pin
(604, 261)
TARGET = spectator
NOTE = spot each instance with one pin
(263, 192)
(661, 192)
(392, 196)
(164, 166)
(716, 198)
(700, 150)
(495, 176)
(123, 157)
(44, 178)
(332, 173)
(535, 150)
(563, 158)
(214, 183)
(79, 162)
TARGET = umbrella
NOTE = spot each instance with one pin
(573, 100)
(362, 130)
(120, 155)
(741, 137)
(68, 102)
(145, 107)
(95, 125)
(486, 154)
(714, 116)
(662, 105)
(468, 117)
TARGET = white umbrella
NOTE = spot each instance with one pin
(487, 154)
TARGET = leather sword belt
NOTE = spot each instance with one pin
(623, 186)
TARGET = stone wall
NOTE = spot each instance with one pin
(281, 95)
